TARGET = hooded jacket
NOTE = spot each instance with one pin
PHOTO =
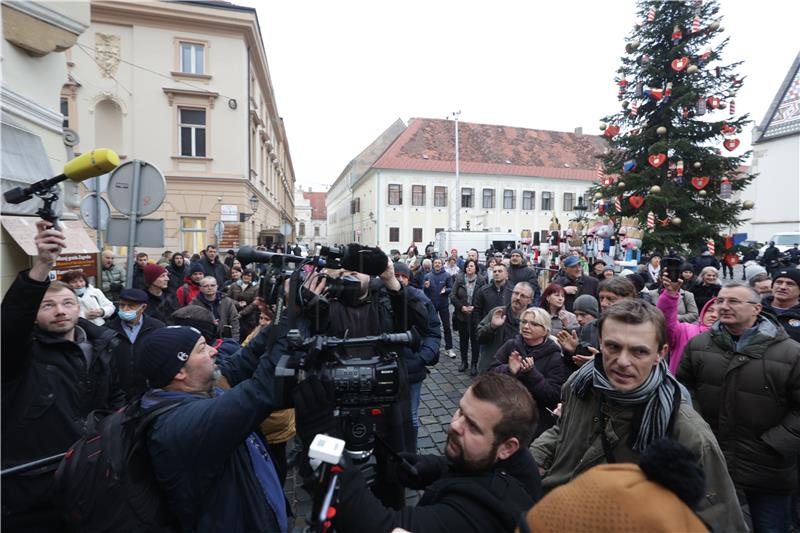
(679, 333)
(749, 393)
(544, 380)
(789, 319)
(465, 502)
(187, 292)
(178, 275)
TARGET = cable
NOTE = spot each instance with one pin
(101, 68)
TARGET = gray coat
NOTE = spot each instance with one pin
(687, 308)
(115, 274)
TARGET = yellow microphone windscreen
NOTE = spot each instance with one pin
(91, 164)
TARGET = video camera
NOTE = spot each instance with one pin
(365, 385)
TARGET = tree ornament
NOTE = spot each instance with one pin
(676, 35)
(727, 129)
(634, 109)
(713, 102)
(725, 189)
(692, 69)
(706, 53)
(628, 166)
(639, 90)
(703, 193)
(617, 205)
(748, 204)
(714, 26)
(679, 64)
(721, 29)
(656, 160)
(685, 112)
(723, 105)
(625, 104)
(710, 245)
(621, 184)
(699, 182)
(632, 46)
(731, 144)
(733, 107)
(611, 131)
(603, 126)
(655, 94)
(655, 189)
(697, 165)
(661, 130)
(696, 24)
(668, 91)
(651, 14)
(676, 221)
(636, 201)
(679, 168)
(651, 221)
(700, 107)
(598, 195)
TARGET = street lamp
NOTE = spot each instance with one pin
(457, 195)
(244, 217)
(581, 209)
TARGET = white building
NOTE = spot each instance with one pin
(302, 214)
(511, 179)
(776, 160)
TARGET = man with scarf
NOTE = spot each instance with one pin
(626, 399)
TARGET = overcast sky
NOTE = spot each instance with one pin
(344, 71)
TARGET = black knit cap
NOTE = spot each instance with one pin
(164, 352)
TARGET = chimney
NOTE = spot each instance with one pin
(579, 131)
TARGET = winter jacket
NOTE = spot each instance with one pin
(177, 276)
(574, 445)
(749, 393)
(243, 293)
(161, 307)
(703, 292)
(138, 278)
(458, 297)
(457, 501)
(544, 380)
(213, 487)
(492, 339)
(113, 281)
(130, 379)
(440, 284)
(489, 297)
(586, 285)
(94, 298)
(429, 348)
(187, 292)
(216, 269)
(525, 273)
(48, 389)
(418, 280)
(224, 310)
(678, 333)
(789, 319)
(687, 308)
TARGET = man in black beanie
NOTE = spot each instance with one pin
(207, 453)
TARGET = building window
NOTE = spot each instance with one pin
(355, 206)
(547, 201)
(394, 234)
(65, 112)
(417, 235)
(302, 231)
(192, 132)
(509, 199)
(193, 234)
(488, 198)
(395, 194)
(417, 195)
(440, 196)
(192, 58)
(569, 201)
(467, 197)
(528, 200)
(437, 230)
(316, 231)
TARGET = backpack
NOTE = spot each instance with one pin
(105, 482)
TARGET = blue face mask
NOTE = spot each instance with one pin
(127, 315)
(81, 291)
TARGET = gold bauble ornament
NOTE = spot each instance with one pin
(748, 204)
(703, 193)
(598, 195)
(621, 184)
(603, 126)
(676, 221)
(661, 130)
(697, 164)
(692, 69)
(655, 189)
(714, 26)
(625, 104)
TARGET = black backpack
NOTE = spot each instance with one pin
(106, 482)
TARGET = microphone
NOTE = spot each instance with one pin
(88, 165)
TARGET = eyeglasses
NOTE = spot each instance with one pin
(521, 295)
(733, 302)
(529, 323)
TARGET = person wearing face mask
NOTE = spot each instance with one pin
(95, 307)
(132, 326)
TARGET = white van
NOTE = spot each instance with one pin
(783, 241)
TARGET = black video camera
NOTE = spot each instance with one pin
(276, 268)
(365, 385)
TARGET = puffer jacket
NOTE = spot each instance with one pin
(789, 319)
(749, 393)
(544, 380)
(116, 276)
(678, 333)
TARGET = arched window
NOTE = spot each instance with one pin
(108, 125)
(302, 231)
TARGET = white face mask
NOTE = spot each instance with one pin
(81, 291)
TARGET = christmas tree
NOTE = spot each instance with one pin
(672, 162)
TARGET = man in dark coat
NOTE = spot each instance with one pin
(575, 282)
(495, 294)
(212, 266)
(132, 326)
(56, 368)
(179, 269)
(438, 285)
(784, 302)
(208, 455)
(486, 479)
(138, 271)
(519, 271)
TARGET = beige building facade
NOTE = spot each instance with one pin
(186, 87)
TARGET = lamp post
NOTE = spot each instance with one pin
(244, 217)
(457, 195)
(581, 209)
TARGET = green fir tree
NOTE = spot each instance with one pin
(676, 96)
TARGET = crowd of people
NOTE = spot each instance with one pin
(585, 374)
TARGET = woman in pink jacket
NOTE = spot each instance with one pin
(679, 333)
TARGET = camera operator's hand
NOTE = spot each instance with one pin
(389, 280)
(314, 401)
(429, 469)
(49, 243)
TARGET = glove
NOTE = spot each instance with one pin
(314, 401)
(429, 469)
(116, 287)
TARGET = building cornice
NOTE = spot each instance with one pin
(41, 12)
(171, 92)
(16, 104)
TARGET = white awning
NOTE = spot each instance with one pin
(23, 230)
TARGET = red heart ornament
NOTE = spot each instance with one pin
(700, 182)
(713, 102)
(731, 144)
(611, 131)
(680, 64)
(636, 201)
(656, 160)
(728, 129)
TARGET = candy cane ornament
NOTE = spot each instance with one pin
(696, 24)
(651, 14)
(710, 245)
(733, 107)
(651, 221)
(617, 205)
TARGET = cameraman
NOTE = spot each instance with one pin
(485, 481)
(365, 307)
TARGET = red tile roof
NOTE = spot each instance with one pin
(429, 144)
(317, 200)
